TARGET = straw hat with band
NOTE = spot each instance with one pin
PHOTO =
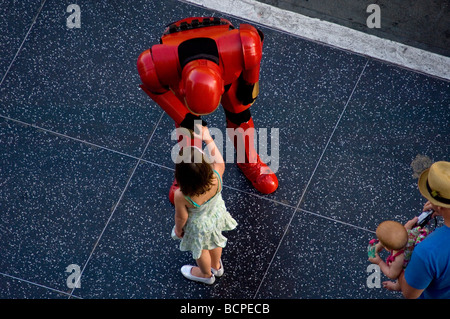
(434, 184)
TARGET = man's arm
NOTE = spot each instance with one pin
(408, 291)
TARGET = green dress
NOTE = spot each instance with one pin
(205, 224)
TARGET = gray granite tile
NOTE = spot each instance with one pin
(137, 258)
(56, 196)
(396, 121)
(321, 259)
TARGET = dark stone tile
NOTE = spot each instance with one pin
(83, 82)
(137, 258)
(17, 17)
(56, 196)
(395, 120)
(321, 259)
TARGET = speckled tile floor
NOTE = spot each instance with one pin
(86, 167)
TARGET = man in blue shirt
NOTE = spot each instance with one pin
(428, 272)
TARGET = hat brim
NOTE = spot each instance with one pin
(422, 184)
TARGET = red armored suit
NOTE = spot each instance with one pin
(200, 63)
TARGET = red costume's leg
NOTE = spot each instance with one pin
(240, 120)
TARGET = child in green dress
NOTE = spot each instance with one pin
(200, 212)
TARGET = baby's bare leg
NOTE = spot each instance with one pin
(391, 285)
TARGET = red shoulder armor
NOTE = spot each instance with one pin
(251, 46)
(147, 72)
(159, 67)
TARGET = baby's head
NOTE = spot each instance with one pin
(193, 173)
(392, 235)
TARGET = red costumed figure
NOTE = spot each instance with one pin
(200, 63)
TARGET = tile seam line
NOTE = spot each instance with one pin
(34, 283)
(23, 41)
(117, 203)
(335, 220)
(332, 134)
(39, 128)
(311, 177)
(67, 136)
(277, 202)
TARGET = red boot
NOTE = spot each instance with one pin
(256, 171)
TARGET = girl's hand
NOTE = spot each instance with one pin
(179, 233)
(202, 132)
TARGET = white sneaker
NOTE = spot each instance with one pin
(218, 272)
(186, 271)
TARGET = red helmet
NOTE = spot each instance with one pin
(203, 86)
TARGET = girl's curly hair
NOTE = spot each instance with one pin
(193, 176)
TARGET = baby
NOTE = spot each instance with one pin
(399, 240)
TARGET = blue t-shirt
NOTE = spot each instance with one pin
(429, 267)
